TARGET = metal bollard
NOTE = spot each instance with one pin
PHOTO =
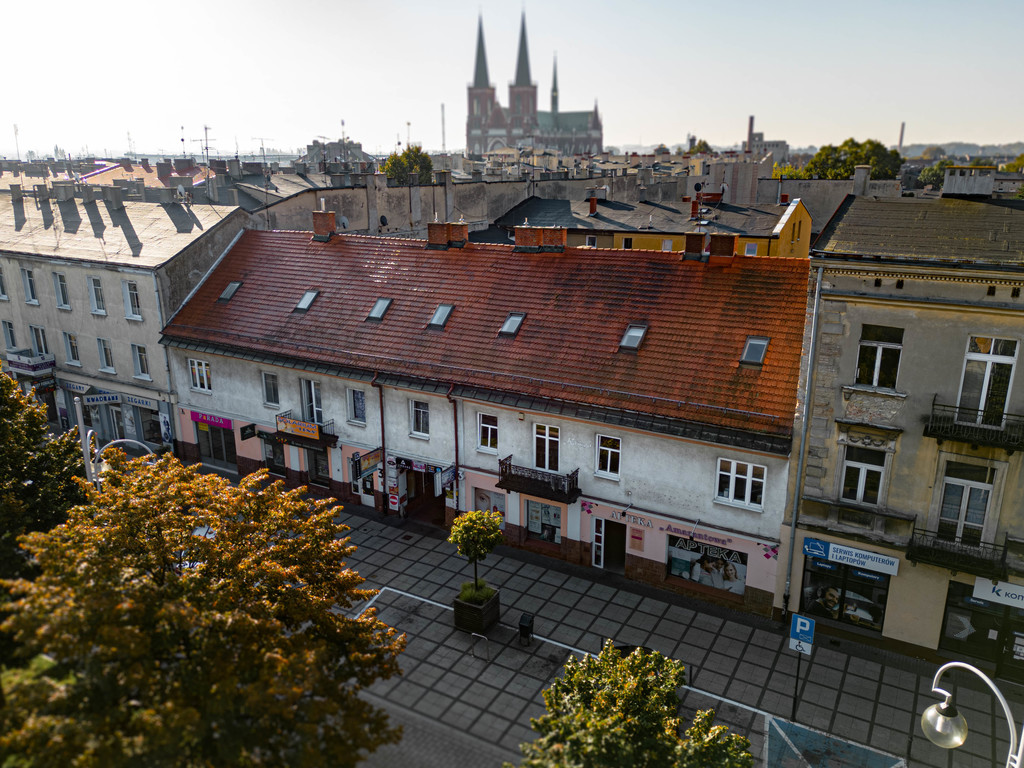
(526, 629)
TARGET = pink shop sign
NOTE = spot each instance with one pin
(213, 421)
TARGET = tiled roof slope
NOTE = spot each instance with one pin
(629, 217)
(975, 230)
(577, 304)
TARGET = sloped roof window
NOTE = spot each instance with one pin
(306, 301)
(441, 315)
(230, 290)
(633, 337)
(512, 324)
(754, 350)
(379, 308)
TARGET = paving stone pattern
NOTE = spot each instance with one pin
(464, 701)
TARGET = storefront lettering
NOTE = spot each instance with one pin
(1002, 592)
(214, 421)
(299, 428)
(141, 402)
(693, 534)
(710, 551)
(643, 522)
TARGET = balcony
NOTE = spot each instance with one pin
(27, 363)
(537, 482)
(981, 559)
(975, 427)
(305, 433)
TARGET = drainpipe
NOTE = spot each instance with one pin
(455, 417)
(383, 445)
(803, 440)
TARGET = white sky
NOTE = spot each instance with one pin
(85, 74)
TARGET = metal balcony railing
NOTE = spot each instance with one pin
(980, 559)
(537, 482)
(976, 427)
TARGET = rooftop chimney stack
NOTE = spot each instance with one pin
(323, 225)
(593, 206)
(861, 177)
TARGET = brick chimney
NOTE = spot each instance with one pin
(437, 235)
(723, 248)
(528, 239)
(323, 225)
(458, 234)
(553, 239)
(593, 206)
(694, 210)
(694, 244)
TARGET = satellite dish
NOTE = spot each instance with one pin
(383, 221)
(181, 190)
(698, 187)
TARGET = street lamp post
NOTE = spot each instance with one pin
(94, 459)
(945, 727)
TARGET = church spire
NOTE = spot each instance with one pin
(554, 88)
(480, 78)
(523, 63)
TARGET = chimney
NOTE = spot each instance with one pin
(182, 164)
(694, 210)
(783, 199)
(165, 195)
(113, 196)
(593, 206)
(64, 191)
(88, 193)
(723, 248)
(458, 234)
(437, 235)
(861, 176)
(694, 245)
(553, 239)
(323, 225)
(163, 169)
(234, 168)
(16, 193)
(750, 134)
(528, 239)
(42, 191)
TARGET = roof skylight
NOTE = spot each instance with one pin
(230, 290)
(306, 301)
(633, 337)
(512, 324)
(754, 350)
(379, 308)
(441, 315)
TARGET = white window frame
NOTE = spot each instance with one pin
(132, 303)
(627, 243)
(990, 359)
(10, 340)
(200, 375)
(312, 401)
(666, 245)
(106, 356)
(60, 291)
(419, 418)
(863, 468)
(550, 436)
(750, 249)
(97, 304)
(71, 353)
(747, 474)
(3, 287)
(140, 362)
(487, 433)
(39, 345)
(1000, 470)
(266, 377)
(608, 457)
(591, 241)
(28, 282)
(353, 417)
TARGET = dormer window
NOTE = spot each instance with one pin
(754, 350)
(441, 315)
(306, 301)
(379, 308)
(512, 324)
(633, 337)
(230, 290)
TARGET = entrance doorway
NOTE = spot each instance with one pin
(422, 504)
(216, 445)
(608, 549)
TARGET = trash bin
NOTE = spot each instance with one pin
(525, 628)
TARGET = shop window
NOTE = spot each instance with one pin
(985, 386)
(151, 432)
(707, 564)
(974, 628)
(878, 359)
(544, 521)
(319, 466)
(845, 594)
(608, 452)
(199, 371)
(273, 456)
(216, 444)
(740, 483)
(357, 406)
(545, 447)
(488, 432)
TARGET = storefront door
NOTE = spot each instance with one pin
(216, 445)
(615, 547)
(117, 425)
(1012, 665)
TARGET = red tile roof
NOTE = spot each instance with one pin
(577, 304)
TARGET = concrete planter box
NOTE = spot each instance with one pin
(473, 617)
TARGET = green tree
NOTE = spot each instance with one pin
(933, 153)
(701, 147)
(38, 475)
(789, 171)
(934, 174)
(188, 622)
(615, 710)
(475, 534)
(838, 162)
(413, 161)
(1015, 166)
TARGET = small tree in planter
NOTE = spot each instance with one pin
(475, 535)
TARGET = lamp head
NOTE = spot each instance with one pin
(943, 725)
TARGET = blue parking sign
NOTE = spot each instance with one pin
(801, 634)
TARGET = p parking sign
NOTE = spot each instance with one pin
(801, 634)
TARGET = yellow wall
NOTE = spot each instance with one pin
(795, 239)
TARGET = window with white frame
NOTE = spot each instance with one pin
(487, 432)
(750, 249)
(666, 244)
(28, 282)
(9, 339)
(985, 386)
(878, 359)
(312, 404)
(419, 413)
(271, 396)
(71, 356)
(140, 361)
(863, 472)
(357, 406)
(39, 346)
(966, 495)
(740, 483)
(608, 452)
(106, 355)
(3, 287)
(627, 242)
(545, 442)
(754, 350)
(199, 371)
(60, 290)
(132, 307)
(591, 241)
(96, 303)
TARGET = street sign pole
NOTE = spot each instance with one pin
(801, 640)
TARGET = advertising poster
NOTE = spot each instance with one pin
(707, 564)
